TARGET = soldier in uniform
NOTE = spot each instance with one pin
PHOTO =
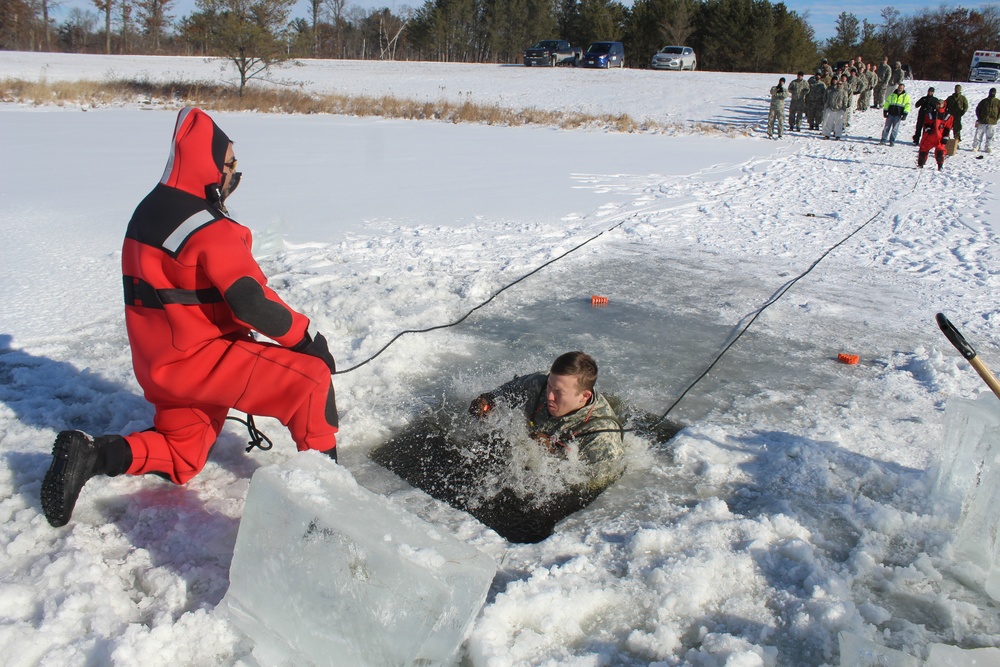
(565, 414)
(776, 113)
(798, 90)
(897, 75)
(837, 103)
(957, 106)
(987, 115)
(815, 101)
(883, 74)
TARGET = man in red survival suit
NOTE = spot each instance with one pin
(193, 295)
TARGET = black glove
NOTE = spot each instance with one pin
(316, 347)
(481, 406)
(903, 117)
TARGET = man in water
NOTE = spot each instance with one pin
(565, 414)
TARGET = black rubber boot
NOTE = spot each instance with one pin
(76, 457)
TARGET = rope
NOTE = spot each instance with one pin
(487, 301)
(256, 436)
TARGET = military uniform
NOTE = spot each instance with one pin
(837, 104)
(776, 114)
(593, 431)
(798, 90)
(958, 105)
(883, 74)
(815, 101)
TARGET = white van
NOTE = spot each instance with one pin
(985, 67)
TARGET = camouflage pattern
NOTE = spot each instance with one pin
(838, 103)
(776, 114)
(815, 102)
(884, 75)
(798, 91)
(897, 75)
(593, 431)
(958, 105)
(871, 80)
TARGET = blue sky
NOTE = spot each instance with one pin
(821, 16)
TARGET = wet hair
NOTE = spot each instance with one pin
(577, 363)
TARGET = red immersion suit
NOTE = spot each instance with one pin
(193, 293)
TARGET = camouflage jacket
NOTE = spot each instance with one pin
(778, 95)
(837, 99)
(593, 431)
(988, 111)
(817, 94)
(884, 73)
(958, 104)
(797, 90)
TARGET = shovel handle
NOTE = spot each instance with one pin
(966, 351)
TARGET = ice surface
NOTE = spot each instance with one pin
(856, 651)
(952, 656)
(968, 482)
(327, 573)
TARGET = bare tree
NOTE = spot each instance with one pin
(152, 16)
(390, 27)
(105, 6)
(335, 10)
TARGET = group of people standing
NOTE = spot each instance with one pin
(826, 100)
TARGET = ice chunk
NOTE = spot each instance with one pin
(952, 656)
(327, 573)
(856, 651)
(968, 482)
(971, 440)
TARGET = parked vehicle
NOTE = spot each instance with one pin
(985, 67)
(675, 57)
(552, 52)
(604, 54)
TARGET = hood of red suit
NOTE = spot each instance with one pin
(197, 153)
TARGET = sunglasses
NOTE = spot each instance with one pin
(231, 164)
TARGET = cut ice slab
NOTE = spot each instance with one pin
(952, 656)
(327, 573)
(857, 651)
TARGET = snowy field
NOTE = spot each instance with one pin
(794, 506)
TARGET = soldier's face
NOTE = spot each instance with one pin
(563, 395)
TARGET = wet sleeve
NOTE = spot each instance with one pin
(521, 390)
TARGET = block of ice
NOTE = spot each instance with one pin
(971, 440)
(856, 651)
(967, 484)
(952, 656)
(327, 573)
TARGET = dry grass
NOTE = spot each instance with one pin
(223, 98)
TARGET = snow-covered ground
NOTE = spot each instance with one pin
(794, 505)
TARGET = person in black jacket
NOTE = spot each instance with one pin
(926, 103)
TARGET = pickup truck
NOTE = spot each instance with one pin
(552, 52)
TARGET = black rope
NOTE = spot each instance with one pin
(770, 302)
(257, 437)
(484, 303)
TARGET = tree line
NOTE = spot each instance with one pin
(728, 35)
